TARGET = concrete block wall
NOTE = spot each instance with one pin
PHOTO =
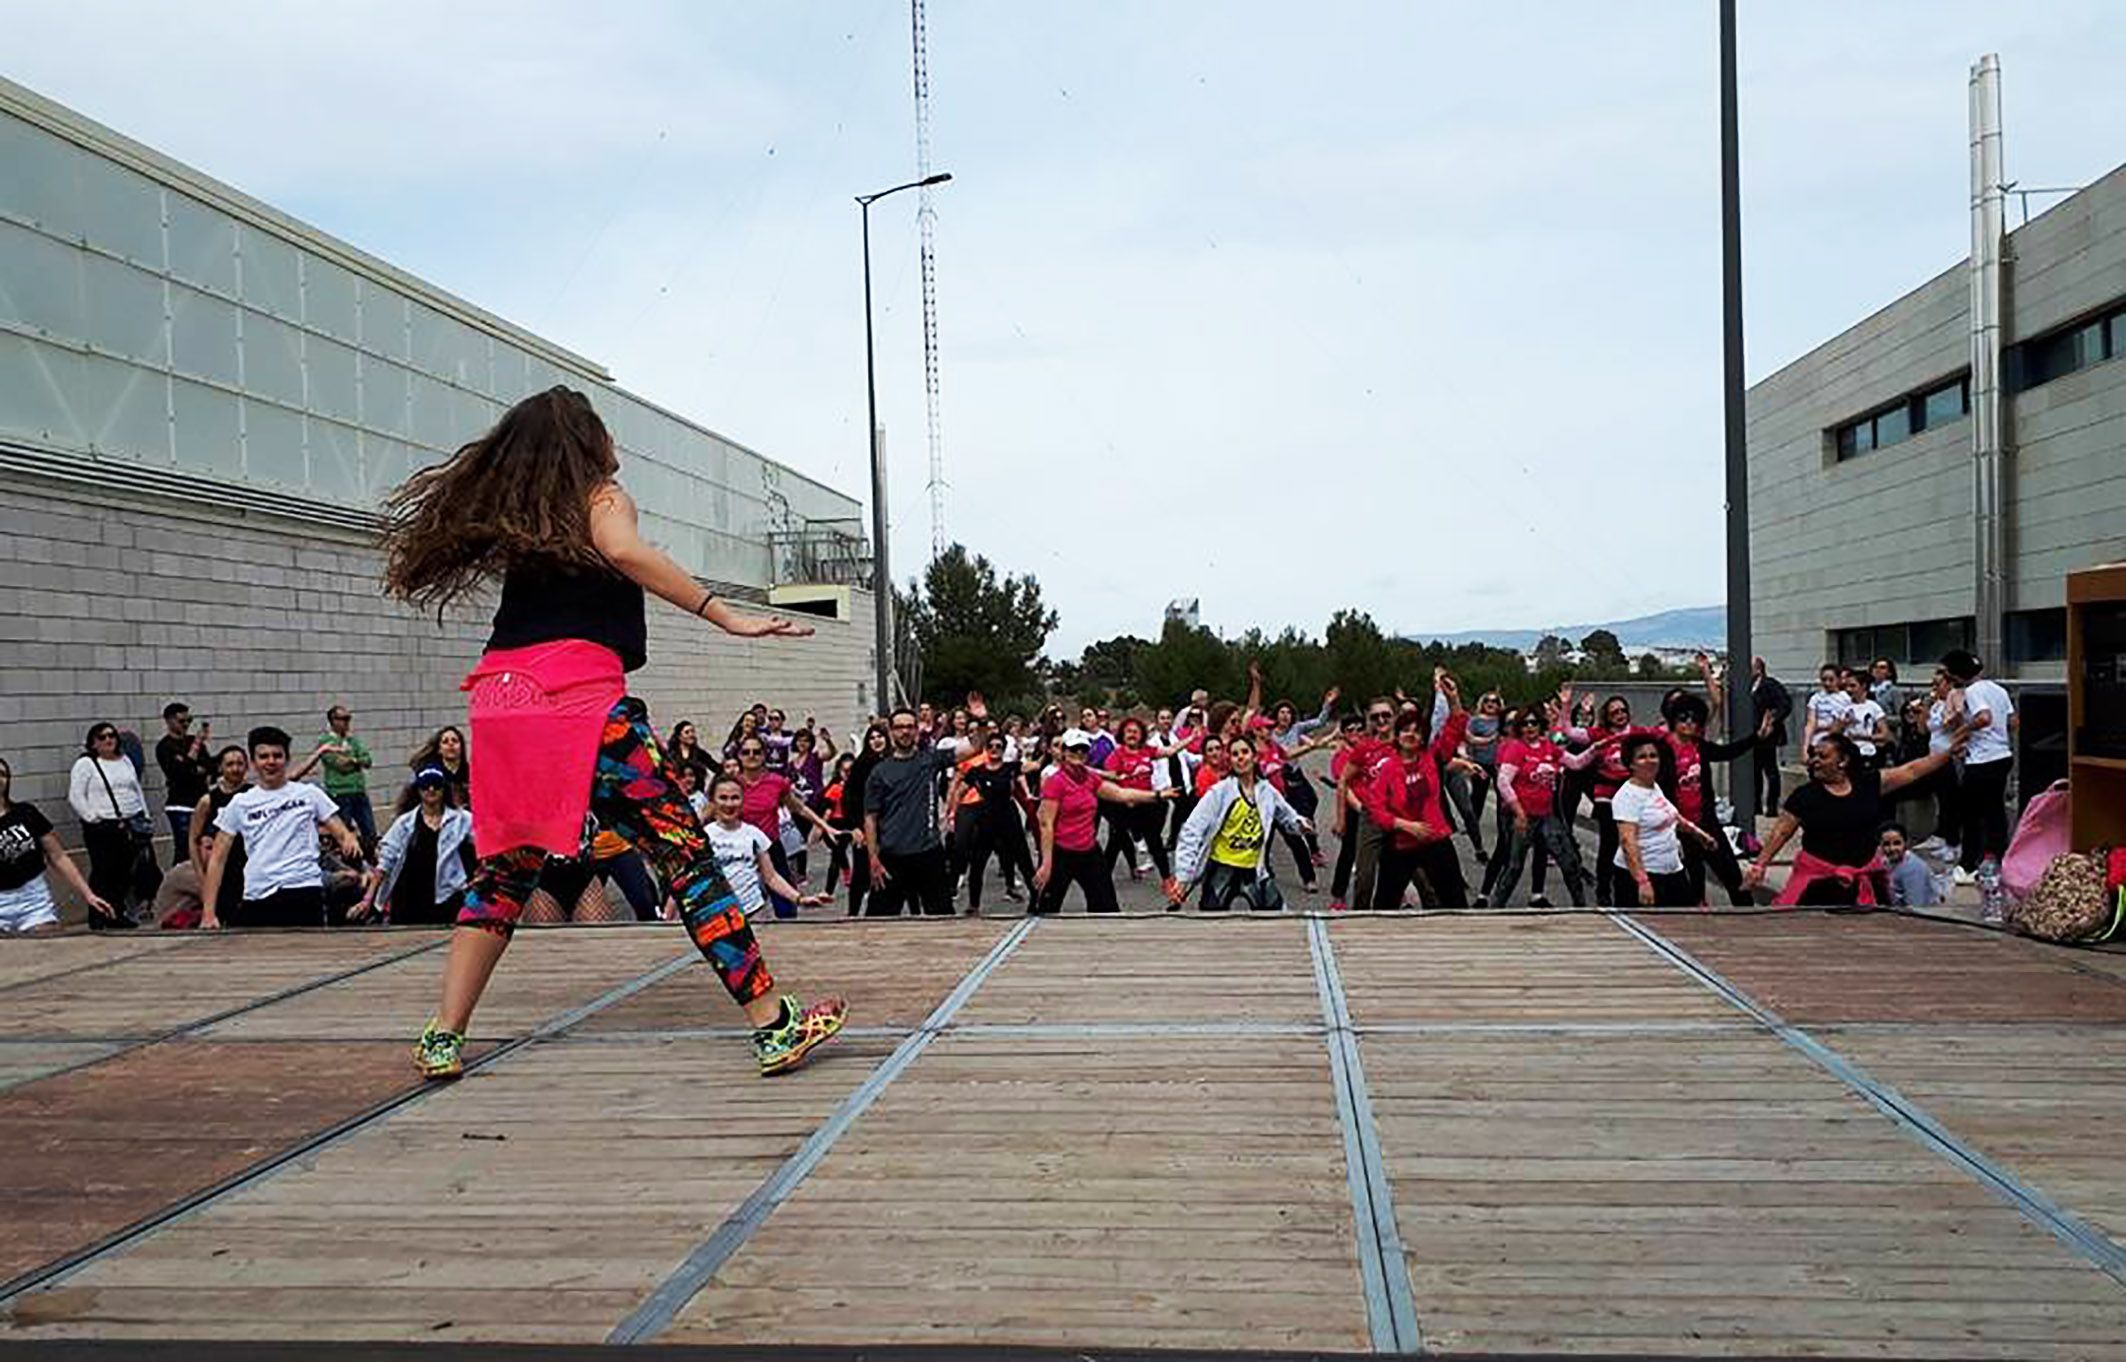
(111, 606)
(1878, 539)
(2067, 471)
(1887, 537)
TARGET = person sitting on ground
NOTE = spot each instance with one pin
(1837, 814)
(277, 822)
(425, 859)
(29, 852)
(1911, 883)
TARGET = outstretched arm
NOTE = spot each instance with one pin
(619, 541)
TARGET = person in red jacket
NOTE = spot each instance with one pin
(1530, 766)
(1403, 799)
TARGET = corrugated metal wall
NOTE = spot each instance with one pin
(144, 324)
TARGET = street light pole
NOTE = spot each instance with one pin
(881, 571)
(1742, 793)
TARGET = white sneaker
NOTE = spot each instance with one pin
(1964, 876)
(1930, 846)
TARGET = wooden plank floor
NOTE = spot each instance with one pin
(1128, 1136)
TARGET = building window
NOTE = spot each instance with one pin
(2044, 358)
(1950, 402)
(1918, 644)
(2036, 635)
(1927, 409)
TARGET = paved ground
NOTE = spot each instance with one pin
(1682, 1134)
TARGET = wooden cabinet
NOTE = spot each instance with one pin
(2096, 700)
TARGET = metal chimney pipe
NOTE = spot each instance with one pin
(1988, 411)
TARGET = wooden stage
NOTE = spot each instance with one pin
(1687, 1134)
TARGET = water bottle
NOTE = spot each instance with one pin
(1992, 899)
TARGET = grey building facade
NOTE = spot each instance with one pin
(1862, 488)
(202, 402)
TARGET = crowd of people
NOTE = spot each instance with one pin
(1208, 797)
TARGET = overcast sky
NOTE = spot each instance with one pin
(1408, 307)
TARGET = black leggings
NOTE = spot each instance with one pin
(110, 846)
(1434, 868)
(1984, 800)
(859, 877)
(1346, 857)
(1672, 890)
(1305, 801)
(1610, 878)
(1088, 870)
(1720, 857)
(1128, 823)
(1764, 769)
(1003, 837)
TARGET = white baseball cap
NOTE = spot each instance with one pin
(1076, 737)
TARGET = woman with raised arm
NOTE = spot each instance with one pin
(1839, 814)
(1070, 846)
(536, 502)
(1404, 798)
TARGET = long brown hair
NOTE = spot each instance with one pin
(521, 491)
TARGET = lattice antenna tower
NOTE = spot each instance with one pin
(926, 224)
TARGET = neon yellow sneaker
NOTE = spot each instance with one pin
(439, 1054)
(783, 1047)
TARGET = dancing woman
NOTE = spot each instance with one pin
(1225, 840)
(1070, 849)
(535, 502)
(1404, 799)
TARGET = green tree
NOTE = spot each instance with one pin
(1361, 660)
(1603, 651)
(976, 631)
(1184, 659)
(1650, 666)
(1109, 667)
(1550, 651)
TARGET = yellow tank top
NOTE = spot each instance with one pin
(1239, 839)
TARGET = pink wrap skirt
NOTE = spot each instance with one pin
(537, 716)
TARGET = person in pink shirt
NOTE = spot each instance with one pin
(1070, 820)
(1405, 800)
(767, 795)
(1531, 766)
(1129, 765)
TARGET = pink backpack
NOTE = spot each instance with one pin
(2041, 835)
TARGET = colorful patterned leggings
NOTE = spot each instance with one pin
(634, 795)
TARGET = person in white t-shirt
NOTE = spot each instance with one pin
(742, 851)
(1650, 829)
(1989, 717)
(277, 819)
(1866, 723)
(1828, 706)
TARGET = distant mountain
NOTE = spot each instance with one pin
(1703, 626)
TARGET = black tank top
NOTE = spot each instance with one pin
(543, 601)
